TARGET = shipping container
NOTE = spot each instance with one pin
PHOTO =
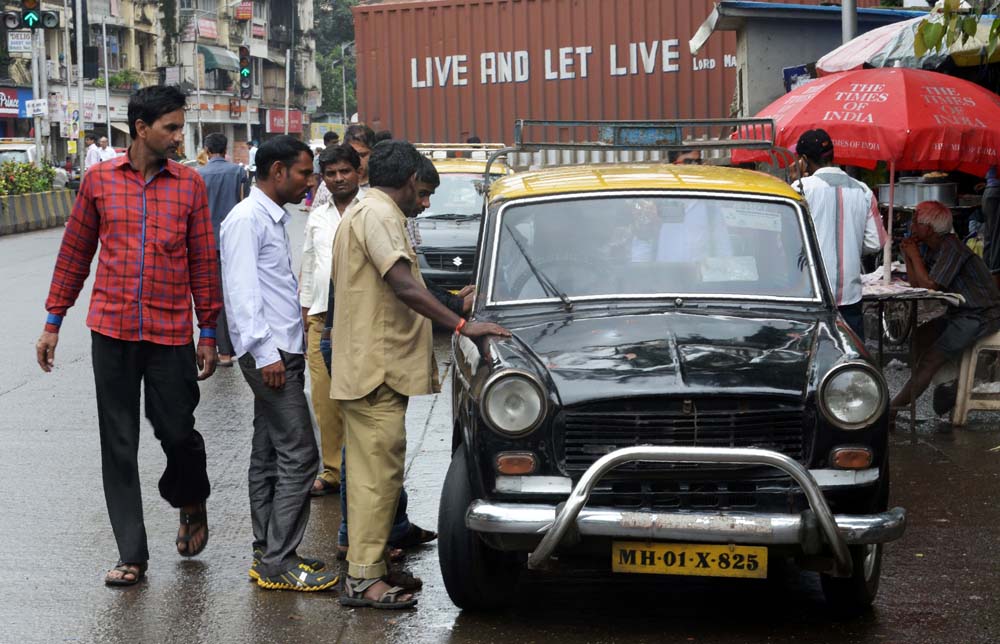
(444, 70)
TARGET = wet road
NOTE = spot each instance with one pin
(939, 582)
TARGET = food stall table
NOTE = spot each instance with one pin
(873, 290)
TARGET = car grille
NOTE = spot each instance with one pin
(591, 431)
(446, 261)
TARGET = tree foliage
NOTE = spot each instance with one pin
(958, 25)
(334, 27)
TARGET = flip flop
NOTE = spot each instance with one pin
(325, 488)
(136, 569)
(415, 536)
(197, 518)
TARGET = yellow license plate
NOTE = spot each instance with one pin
(701, 560)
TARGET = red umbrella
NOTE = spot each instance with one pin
(913, 119)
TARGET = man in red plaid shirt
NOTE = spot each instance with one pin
(152, 220)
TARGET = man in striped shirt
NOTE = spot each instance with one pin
(151, 218)
(847, 220)
(949, 266)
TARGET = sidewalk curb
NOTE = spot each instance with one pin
(35, 211)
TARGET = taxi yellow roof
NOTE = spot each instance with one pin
(460, 165)
(636, 176)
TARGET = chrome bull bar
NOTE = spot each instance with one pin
(567, 514)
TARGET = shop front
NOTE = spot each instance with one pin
(14, 119)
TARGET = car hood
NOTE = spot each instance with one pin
(444, 233)
(679, 353)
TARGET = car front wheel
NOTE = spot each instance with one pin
(854, 595)
(476, 576)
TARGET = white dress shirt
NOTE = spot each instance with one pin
(259, 287)
(317, 256)
(93, 156)
(848, 224)
(107, 153)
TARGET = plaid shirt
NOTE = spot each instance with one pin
(157, 250)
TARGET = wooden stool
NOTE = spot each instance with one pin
(966, 400)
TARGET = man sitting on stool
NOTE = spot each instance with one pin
(949, 266)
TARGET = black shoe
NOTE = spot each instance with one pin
(299, 578)
(945, 396)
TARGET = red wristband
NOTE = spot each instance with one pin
(460, 326)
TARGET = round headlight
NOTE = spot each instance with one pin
(513, 404)
(852, 397)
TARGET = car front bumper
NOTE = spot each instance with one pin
(810, 529)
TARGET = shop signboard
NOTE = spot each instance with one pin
(207, 28)
(37, 107)
(276, 121)
(19, 42)
(244, 11)
(172, 76)
(259, 31)
(13, 102)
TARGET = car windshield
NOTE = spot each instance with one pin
(14, 155)
(635, 246)
(456, 196)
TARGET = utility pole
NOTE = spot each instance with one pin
(288, 73)
(68, 60)
(36, 121)
(343, 79)
(78, 12)
(107, 83)
(196, 66)
(248, 39)
(849, 20)
(43, 77)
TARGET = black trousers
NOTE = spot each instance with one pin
(170, 376)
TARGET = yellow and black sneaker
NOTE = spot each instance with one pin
(299, 578)
(310, 564)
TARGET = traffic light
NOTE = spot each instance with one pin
(50, 20)
(31, 14)
(246, 80)
(11, 20)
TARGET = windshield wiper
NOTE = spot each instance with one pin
(548, 287)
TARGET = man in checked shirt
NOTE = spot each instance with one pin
(151, 218)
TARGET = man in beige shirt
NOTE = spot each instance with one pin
(383, 354)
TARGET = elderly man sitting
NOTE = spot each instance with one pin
(949, 266)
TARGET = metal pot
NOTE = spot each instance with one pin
(946, 193)
(905, 194)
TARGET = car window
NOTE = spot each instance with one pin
(457, 195)
(14, 155)
(658, 245)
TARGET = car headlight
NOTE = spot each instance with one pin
(513, 402)
(852, 396)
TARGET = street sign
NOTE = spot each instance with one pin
(19, 42)
(37, 107)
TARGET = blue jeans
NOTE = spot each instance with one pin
(400, 525)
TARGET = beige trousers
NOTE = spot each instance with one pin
(375, 432)
(327, 410)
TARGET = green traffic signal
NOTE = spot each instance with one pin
(245, 72)
(30, 18)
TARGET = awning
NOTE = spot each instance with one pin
(121, 127)
(219, 58)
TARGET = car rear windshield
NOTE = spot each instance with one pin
(649, 246)
(456, 196)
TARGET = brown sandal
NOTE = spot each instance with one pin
(137, 570)
(353, 594)
(198, 518)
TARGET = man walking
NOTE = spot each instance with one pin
(339, 169)
(93, 153)
(265, 323)
(227, 184)
(153, 260)
(381, 304)
(847, 219)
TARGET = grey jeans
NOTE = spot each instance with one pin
(283, 463)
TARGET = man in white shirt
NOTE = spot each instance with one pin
(265, 326)
(847, 221)
(338, 166)
(93, 154)
(106, 151)
(252, 160)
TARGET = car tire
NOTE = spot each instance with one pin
(854, 595)
(476, 576)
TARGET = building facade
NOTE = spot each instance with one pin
(189, 43)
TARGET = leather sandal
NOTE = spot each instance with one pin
(199, 519)
(353, 594)
(137, 570)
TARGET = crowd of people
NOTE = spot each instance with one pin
(223, 242)
(210, 236)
